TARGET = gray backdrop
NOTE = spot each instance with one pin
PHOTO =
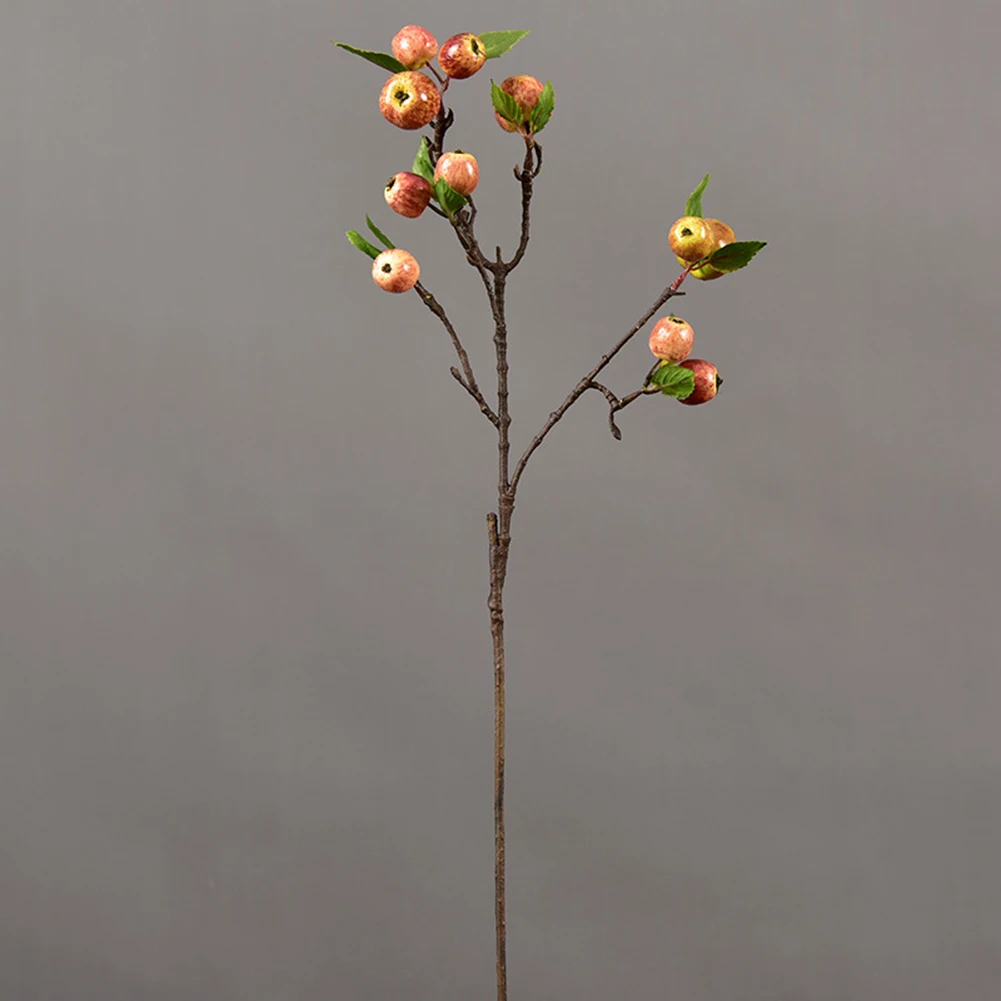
(245, 714)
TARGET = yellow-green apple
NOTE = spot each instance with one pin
(525, 90)
(707, 381)
(691, 238)
(408, 194)
(460, 171)
(396, 270)
(671, 339)
(462, 55)
(409, 100)
(414, 46)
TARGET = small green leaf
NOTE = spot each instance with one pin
(383, 59)
(735, 255)
(362, 244)
(422, 161)
(379, 235)
(674, 380)
(694, 204)
(505, 105)
(498, 42)
(448, 198)
(544, 109)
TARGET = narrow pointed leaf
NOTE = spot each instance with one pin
(694, 203)
(422, 161)
(505, 105)
(498, 42)
(734, 256)
(383, 59)
(674, 380)
(362, 244)
(379, 235)
(544, 109)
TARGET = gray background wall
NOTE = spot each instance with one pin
(245, 692)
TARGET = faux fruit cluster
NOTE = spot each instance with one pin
(411, 99)
(671, 341)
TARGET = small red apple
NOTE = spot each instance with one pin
(462, 55)
(407, 194)
(396, 270)
(671, 339)
(414, 46)
(526, 91)
(409, 100)
(460, 170)
(707, 381)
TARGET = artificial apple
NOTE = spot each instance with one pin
(462, 55)
(525, 90)
(407, 194)
(414, 46)
(707, 381)
(460, 171)
(409, 100)
(671, 339)
(396, 270)
(722, 233)
(691, 238)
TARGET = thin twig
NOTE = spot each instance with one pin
(469, 384)
(585, 383)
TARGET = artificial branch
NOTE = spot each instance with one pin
(468, 383)
(586, 383)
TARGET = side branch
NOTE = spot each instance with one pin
(468, 383)
(615, 404)
(526, 173)
(588, 381)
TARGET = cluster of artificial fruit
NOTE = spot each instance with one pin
(698, 243)
(671, 341)
(411, 99)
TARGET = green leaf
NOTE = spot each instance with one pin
(379, 235)
(498, 42)
(362, 244)
(694, 204)
(448, 198)
(505, 105)
(422, 161)
(735, 255)
(544, 109)
(674, 380)
(383, 59)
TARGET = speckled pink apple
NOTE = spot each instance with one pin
(460, 171)
(671, 339)
(707, 381)
(462, 55)
(526, 91)
(408, 194)
(409, 100)
(414, 46)
(396, 270)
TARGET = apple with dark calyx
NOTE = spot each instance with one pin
(671, 339)
(691, 239)
(396, 270)
(462, 55)
(460, 171)
(707, 381)
(408, 194)
(409, 100)
(414, 46)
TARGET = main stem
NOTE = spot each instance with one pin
(499, 525)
